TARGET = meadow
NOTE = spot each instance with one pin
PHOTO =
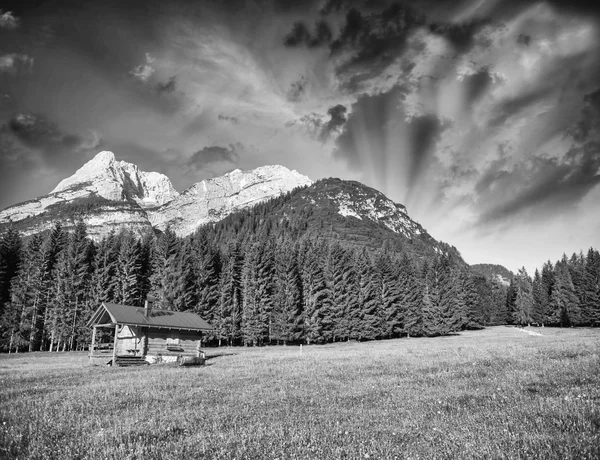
(495, 393)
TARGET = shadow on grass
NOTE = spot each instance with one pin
(218, 355)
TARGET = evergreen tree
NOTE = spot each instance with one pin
(563, 300)
(206, 272)
(128, 267)
(540, 300)
(287, 305)
(410, 290)
(370, 326)
(314, 292)
(165, 277)
(72, 293)
(523, 306)
(548, 282)
(591, 287)
(104, 278)
(228, 317)
(10, 258)
(388, 287)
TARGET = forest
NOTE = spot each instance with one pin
(261, 281)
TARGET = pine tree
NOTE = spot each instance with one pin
(563, 300)
(388, 289)
(287, 304)
(540, 300)
(523, 306)
(433, 321)
(72, 292)
(128, 266)
(228, 316)
(104, 277)
(10, 258)
(314, 292)
(410, 290)
(206, 272)
(591, 285)
(370, 326)
(164, 279)
(499, 304)
(28, 294)
(548, 282)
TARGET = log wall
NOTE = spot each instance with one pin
(172, 342)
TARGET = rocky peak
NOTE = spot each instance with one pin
(213, 199)
(119, 181)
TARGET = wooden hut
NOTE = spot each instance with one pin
(124, 335)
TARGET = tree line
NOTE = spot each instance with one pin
(265, 286)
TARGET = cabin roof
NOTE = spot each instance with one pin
(134, 316)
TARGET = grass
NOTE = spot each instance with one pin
(497, 393)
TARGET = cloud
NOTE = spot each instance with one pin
(459, 35)
(10, 63)
(143, 72)
(213, 154)
(168, 87)
(297, 89)
(336, 121)
(300, 35)
(540, 185)
(233, 120)
(8, 20)
(368, 43)
(34, 131)
(589, 120)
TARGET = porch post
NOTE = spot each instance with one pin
(93, 344)
(114, 360)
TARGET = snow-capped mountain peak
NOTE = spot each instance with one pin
(119, 181)
(213, 199)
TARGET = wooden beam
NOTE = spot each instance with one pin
(93, 344)
(105, 325)
(114, 360)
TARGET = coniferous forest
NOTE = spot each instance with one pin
(260, 281)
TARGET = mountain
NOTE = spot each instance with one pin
(494, 272)
(212, 200)
(345, 211)
(109, 194)
(118, 181)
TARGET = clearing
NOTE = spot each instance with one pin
(495, 393)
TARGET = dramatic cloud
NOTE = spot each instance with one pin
(336, 121)
(589, 120)
(12, 62)
(213, 154)
(541, 185)
(460, 35)
(8, 20)
(35, 131)
(297, 89)
(300, 35)
(167, 87)
(143, 72)
(233, 120)
(483, 117)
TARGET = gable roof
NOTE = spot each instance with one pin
(163, 319)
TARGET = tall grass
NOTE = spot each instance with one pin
(497, 393)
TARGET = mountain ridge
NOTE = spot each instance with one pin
(108, 194)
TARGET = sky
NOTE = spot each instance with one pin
(482, 117)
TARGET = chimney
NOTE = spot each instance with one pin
(148, 305)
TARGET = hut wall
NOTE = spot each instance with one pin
(129, 339)
(171, 343)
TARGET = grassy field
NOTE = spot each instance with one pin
(497, 393)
